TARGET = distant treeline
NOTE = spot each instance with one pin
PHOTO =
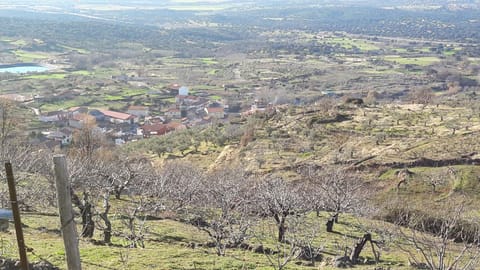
(435, 24)
(148, 27)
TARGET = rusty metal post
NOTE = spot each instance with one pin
(16, 216)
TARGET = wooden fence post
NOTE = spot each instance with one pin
(69, 231)
(16, 216)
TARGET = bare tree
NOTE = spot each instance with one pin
(422, 96)
(338, 190)
(300, 234)
(223, 207)
(279, 199)
(88, 138)
(446, 240)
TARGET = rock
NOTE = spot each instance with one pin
(245, 246)
(9, 264)
(4, 225)
(210, 245)
(342, 262)
(258, 249)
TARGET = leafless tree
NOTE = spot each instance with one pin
(422, 95)
(279, 199)
(449, 240)
(299, 235)
(174, 187)
(89, 138)
(222, 209)
(337, 189)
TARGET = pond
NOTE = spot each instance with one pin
(22, 68)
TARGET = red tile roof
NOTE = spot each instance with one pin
(117, 115)
(138, 108)
(215, 110)
(158, 129)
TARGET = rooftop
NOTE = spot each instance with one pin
(117, 115)
(138, 108)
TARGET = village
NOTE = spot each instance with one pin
(137, 122)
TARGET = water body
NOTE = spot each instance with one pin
(22, 68)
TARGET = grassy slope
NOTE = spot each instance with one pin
(166, 247)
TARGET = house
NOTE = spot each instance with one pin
(118, 117)
(173, 113)
(64, 136)
(75, 110)
(79, 120)
(99, 116)
(54, 116)
(217, 112)
(161, 129)
(154, 129)
(140, 111)
(154, 120)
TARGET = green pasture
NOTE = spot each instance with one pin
(421, 61)
(82, 72)
(78, 101)
(167, 245)
(56, 76)
(29, 56)
(349, 43)
(209, 61)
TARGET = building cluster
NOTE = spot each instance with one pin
(136, 122)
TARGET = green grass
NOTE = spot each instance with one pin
(19, 42)
(213, 72)
(82, 72)
(451, 51)
(349, 43)
(166, 246)
(209, 61)
(29, 56)
(113, 98)
(400, 50)
(78, 101)
(421, 61)
(128, 92)
(47, 76)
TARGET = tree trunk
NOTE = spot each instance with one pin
(281, 230)
(88, 226)
(329, 224)
(359, 247)
(107, 231)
